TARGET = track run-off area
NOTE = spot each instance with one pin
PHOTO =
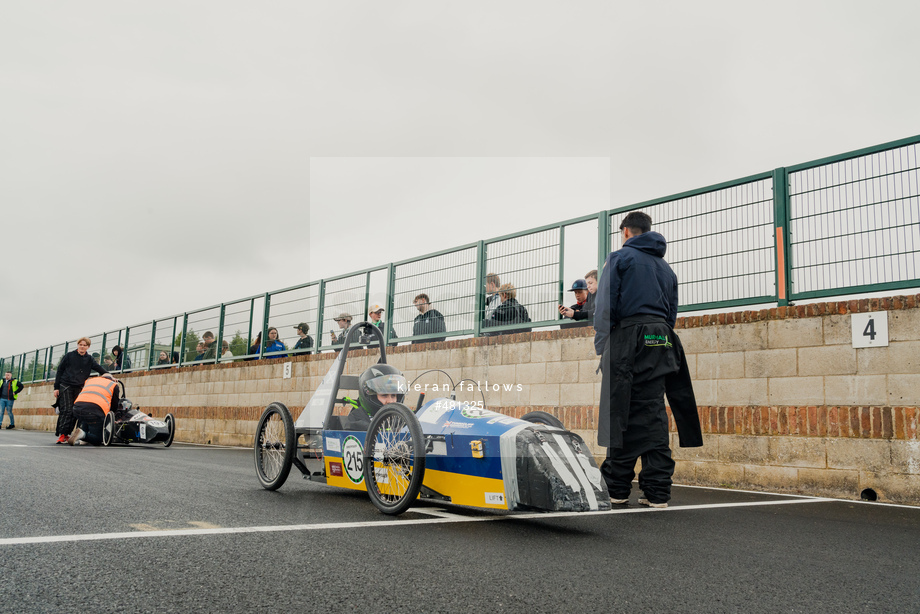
(188, 528)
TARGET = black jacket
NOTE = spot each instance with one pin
(75, 369)
(428, 323)
(628, 362)
(304, 343)
(509, 312)
(635, 281)
(586, 312)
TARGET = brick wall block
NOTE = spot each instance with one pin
(531, 373)
(587, 371)
(827, 360)
(796, 391)
(742, 392)
(904, 389)
(709, 451)
(516, 353)
(903, 325)
(699, 340)
(742, 337)
(551, 350)
(795, 333)
(856, 390)
(892, 487)
(798, 452)
(824, 482)
(577, 348)
(859, 454)
(577, 394)
(723, 365)
(559, 372)
(739, 449)
(544, 394)
(837, 330)
(771, 478)
(905, 457)
(769, 363)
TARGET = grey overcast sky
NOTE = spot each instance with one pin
(158, 157)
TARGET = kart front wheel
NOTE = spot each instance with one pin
(542, 417)
(170, 421)
(108, 429)
(275, 445)
(394, 459)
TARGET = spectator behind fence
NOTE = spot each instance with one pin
(210, 346)
(509, 311)
(254, 348)
(199, 351)
(493, 300)
(273, 344)
(175, 358)
(577, 311)
(108, 361)
(73, 371)
(163, 358)
(344, 321)
(376, 314)
(306, 341)
(120, 358)
(225, 350)
(428, 321)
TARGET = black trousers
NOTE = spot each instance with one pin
(90, 417)
(65, 422)
(646, 437)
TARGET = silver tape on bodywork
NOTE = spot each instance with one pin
(578, 470)
(508, 449)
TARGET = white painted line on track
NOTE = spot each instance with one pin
(785, 494)
(56, 539)
(15, 445)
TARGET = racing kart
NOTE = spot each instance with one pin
(128, 424)
(445, 450)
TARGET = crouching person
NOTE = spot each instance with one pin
(99, 396)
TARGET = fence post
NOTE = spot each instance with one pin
(603, 240)
(265, 313)
(153, 340)
(480, 297)
(182, 339)
(220, 334)
(124, 348)
(391, 287)
(781, 237)
(560, 294)
(320, 314)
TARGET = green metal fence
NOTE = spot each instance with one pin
(840, 225)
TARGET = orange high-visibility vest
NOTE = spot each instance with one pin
(99, 391)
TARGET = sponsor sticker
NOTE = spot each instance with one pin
(495, 498)
(458, 425)
(142, 430)
(334, 444)
(335, 468)
(353, 458)
(157, 423)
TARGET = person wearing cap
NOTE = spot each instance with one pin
(344, 321)
(375, 314)
(582, 312)
(99, 396)
(306, 341)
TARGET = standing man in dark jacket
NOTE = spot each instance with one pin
(73, 371)
(306, 341)
(8, 391)
(428, 320)
(636, 309)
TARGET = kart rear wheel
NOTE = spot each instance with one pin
(394, 459)
(275, 445)
(541, 417)
(108, 429)
(170, 421)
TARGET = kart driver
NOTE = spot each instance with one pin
(99, 396)
(378, 386)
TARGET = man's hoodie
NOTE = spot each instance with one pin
(635, 280)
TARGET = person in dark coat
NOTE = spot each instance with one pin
(636, 309)
(73, 371)
(582, 312)
(306, 341)
(509, 312)
(428, 321)
(120, 359)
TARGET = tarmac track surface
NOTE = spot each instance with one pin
(188, 529)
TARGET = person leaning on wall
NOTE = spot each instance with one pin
(72, 373)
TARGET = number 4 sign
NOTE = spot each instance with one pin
(870, 329)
